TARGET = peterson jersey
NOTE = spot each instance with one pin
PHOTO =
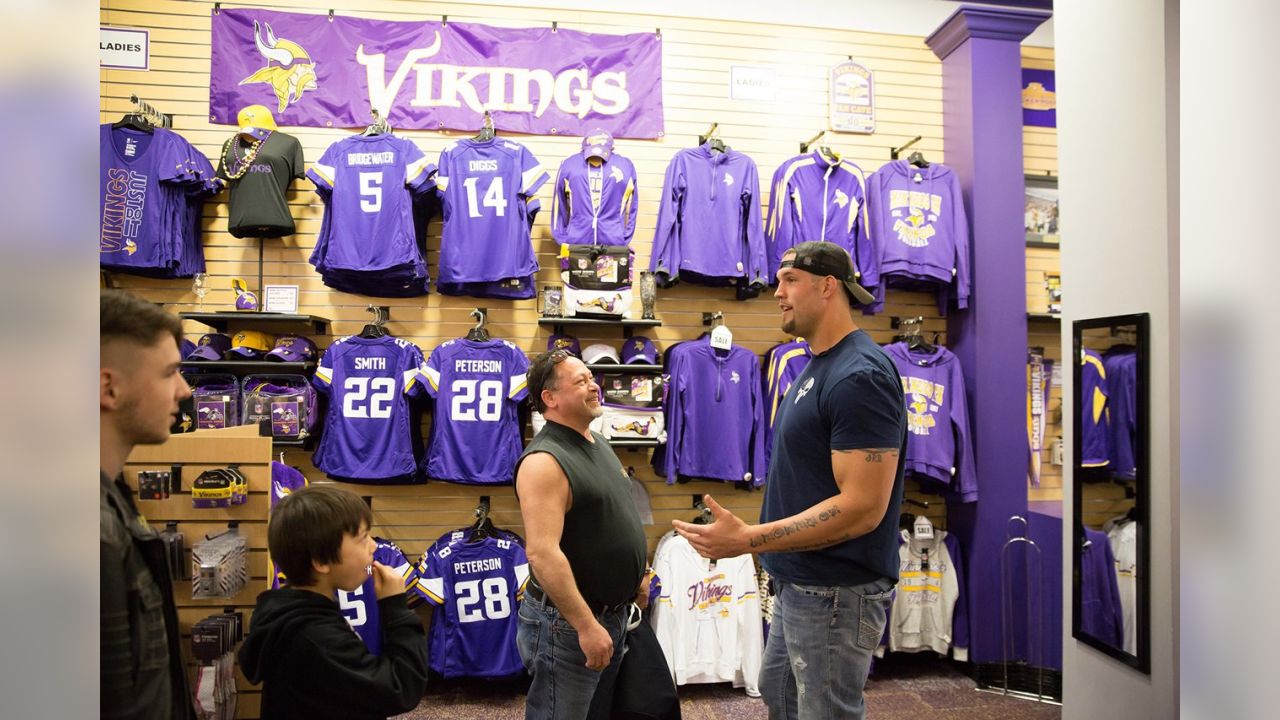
(478, 587)
(368, 433)
(475, 431)
(482, 186)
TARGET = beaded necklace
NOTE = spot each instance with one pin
(241, 165)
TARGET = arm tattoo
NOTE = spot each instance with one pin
(874, 455)
(808, 521)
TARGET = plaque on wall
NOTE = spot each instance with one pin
(852, 99)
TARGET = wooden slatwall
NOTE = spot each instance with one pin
(1040, 157)
(697, 55)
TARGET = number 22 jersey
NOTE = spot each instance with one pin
(475, 430)
(369, 433)
(478, 587)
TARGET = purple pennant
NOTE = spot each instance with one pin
(316, 71)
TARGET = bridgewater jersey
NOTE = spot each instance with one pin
(919, 230)
(475, 430)
(709, 227)
(715, 414)
(360, 606)
(1095, 447)
(824, 200)
(366, 183)
(594, 204)
(368, 434)
(478, 587)
(707, 616)
(1122, 396)
(939, 442)
(486, 231)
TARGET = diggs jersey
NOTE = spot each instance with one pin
(360, 606)
(365, 182)
(478, 587)
(486, 233)
(368, 433)
(475, 430)
(1095, 447)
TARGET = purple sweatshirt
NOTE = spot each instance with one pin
(821, 200)
(939, 446)
(919, 230)
(709, 228)
(577, 219)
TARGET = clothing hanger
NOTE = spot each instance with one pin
(380, 126)
(704, 512)
(717, 145)
(377, 328)
(483, 527)
(487, 132)
(478, 333)
(917, 159)
(134, 121)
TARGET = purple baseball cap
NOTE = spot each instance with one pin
(211, 347)
(293, 348)
(565, 342)
(639, 349)
(597, 143)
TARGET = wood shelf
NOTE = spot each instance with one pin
(221, 321)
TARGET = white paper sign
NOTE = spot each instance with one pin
(751, 83)
(281, 299)
(124, 48)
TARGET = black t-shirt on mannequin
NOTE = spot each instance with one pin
(259, 172)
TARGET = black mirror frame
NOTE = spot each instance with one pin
(1141, 484)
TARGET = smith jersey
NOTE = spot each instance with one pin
(360, 606)
(1095, 448)
(475, 431)
(368, 433)
(486, 231)
(366, 183)
(478, 587)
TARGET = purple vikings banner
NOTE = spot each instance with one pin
(1039, 98)
(316, 71)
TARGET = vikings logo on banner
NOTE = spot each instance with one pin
(320, 71)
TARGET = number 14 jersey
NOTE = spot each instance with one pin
(475, 429)
(369, 433)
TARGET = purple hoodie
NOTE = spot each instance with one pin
(919, 230)
(939, 445)
(709, 229)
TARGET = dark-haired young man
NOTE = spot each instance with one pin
(585, 543)
(300, 645)
(141, 668)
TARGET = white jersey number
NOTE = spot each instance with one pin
(493, 197)
(371, 191)
(482, 600)
(379, 392)
(467, 403)
(353, 601)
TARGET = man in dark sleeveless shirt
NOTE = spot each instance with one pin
(585, 544)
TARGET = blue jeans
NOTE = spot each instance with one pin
(819, 650)
(563, 685)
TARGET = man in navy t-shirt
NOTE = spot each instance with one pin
(831, 504)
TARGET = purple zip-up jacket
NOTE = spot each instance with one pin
(709, 229)
(939, 445)
(919, 229)
(574, 219)
(822, 200)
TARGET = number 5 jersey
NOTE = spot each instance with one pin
(369, 433)
(477, 586)
(475, 429)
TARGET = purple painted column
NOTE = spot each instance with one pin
(982, 120)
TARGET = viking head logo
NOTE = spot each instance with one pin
(842, 199)
(919, 404)
(293, 73)
(916, 218)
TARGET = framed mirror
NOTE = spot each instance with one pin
(1111, 556)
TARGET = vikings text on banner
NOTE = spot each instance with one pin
(317, 71)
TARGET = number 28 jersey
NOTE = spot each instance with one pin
(486, 229)
(478, 586)
(475, 431)
(369, 435)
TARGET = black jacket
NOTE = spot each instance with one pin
(313, 665)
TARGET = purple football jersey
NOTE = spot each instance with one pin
(360, 606)
(478, 586)
(1095, 448)
(1121, 363)
(475, 430)
(368, 433)
(366, 183)
(486, 233)
(785, 363)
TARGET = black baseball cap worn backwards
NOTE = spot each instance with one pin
(827, 258)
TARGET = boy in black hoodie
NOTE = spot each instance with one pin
(310, 661)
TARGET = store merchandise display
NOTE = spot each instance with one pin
(595, 199)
